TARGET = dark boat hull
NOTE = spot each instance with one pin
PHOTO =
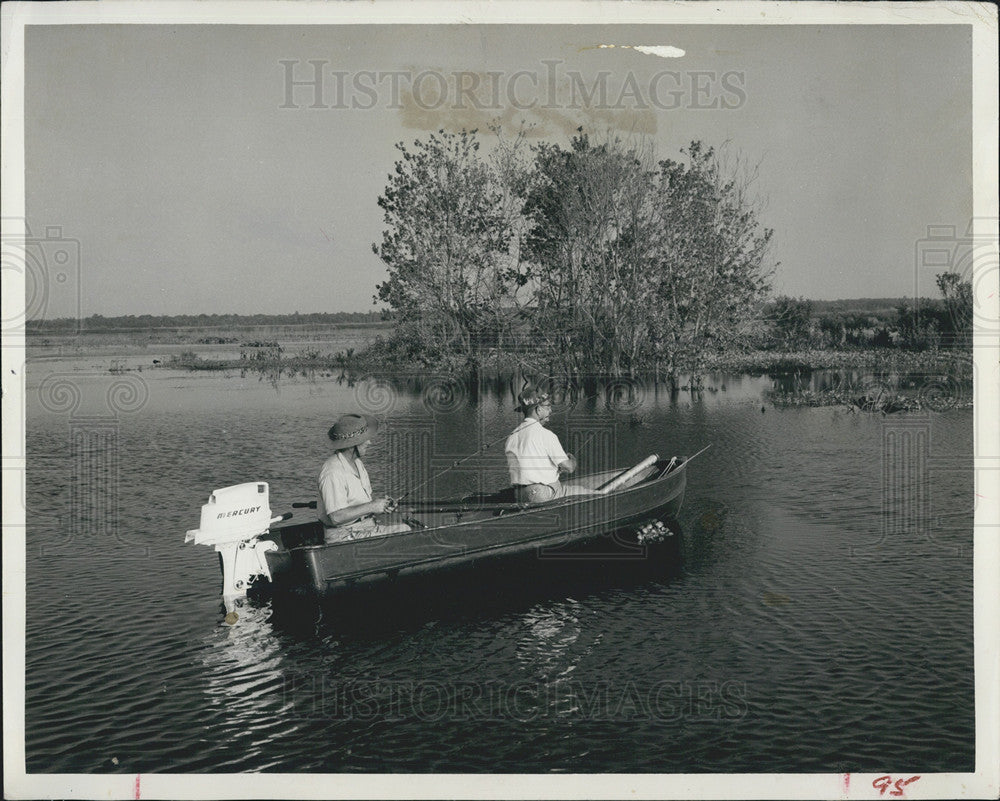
(471, 533)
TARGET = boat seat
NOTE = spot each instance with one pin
(506, 495)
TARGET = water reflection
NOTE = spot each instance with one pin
(549, 633)
(379, 392)
(243, 669)
(835, 381)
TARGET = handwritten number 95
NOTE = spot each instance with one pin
(894, 788)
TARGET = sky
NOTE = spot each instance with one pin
(184, 177)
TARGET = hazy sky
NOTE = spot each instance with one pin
(166, 153)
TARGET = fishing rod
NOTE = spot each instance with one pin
(583, 447)
(486, 447)
(395, 501)
(673, 460)
(699, 453)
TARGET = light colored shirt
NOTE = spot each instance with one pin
(534, 454)
(340, 487)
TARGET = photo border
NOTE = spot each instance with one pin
(983, 783)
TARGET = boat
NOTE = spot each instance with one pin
(630, 513)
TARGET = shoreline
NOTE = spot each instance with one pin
(350, 349)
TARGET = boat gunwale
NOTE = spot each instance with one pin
(521, 509)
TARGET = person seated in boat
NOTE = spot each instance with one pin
(346, 506)
(535, 457)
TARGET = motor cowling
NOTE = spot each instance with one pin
(233, 514)
(232, 521)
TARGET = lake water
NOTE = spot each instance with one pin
(820, 618)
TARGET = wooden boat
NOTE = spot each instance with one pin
(474, 530)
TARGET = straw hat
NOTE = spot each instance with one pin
(351, 430)
(530, 397)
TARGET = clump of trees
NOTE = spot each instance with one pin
(957, 294)
(792, 322)
(596, 256)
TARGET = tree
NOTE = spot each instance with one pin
(591, 218)
(919, 325)
(957, 296)
(711, 258)
(447, 245)
(618, 263)
(792, 320)
(637, 261)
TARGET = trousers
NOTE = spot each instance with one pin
(543, 493)
(367, 527)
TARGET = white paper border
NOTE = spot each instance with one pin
(984, 783)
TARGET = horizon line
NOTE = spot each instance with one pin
(38, 320)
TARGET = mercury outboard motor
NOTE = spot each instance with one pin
(233, 521)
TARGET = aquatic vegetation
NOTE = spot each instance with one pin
(952, 362)
(655, 531)
(937, 394)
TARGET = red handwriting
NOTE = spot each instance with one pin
(894, 788)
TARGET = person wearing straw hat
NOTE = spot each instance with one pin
(535, 457)
(346, 506)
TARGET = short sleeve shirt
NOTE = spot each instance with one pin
(534, 454)
(339, 487)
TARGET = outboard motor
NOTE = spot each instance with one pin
(233, 520)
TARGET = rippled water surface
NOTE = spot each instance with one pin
(820, 618)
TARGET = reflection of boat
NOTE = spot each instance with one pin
(475, 530)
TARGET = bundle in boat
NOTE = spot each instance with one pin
(622, 479)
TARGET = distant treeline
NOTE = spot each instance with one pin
(922, 324)
(97, 323)
(872, 306)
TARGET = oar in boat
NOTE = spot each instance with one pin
(625, 476)
(619, 480)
